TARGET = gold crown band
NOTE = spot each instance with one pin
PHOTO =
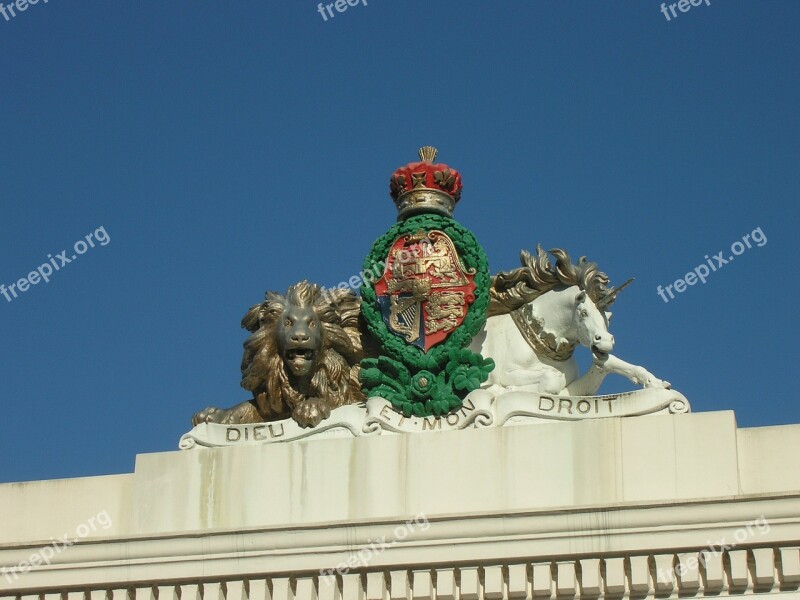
(422, 200)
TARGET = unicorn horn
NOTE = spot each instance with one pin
(612, 295)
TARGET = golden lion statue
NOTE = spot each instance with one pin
(301, 360)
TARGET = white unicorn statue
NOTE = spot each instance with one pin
(537, 317)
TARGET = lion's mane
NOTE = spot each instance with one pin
(335, 376)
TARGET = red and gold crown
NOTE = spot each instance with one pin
(424, 187)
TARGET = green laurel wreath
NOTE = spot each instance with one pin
(435, 382)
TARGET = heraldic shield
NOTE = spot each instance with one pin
(426, 290)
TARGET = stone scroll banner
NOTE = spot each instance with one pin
(481, 409)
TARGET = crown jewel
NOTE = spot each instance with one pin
(425, 187)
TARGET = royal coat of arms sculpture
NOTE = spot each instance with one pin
(432, 342)
(431, 300)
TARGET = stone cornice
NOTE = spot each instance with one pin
(626, 544)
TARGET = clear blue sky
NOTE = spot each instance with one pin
(230, 148)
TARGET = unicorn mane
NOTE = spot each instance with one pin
(511, 289)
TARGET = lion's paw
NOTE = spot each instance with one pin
(311, 412)
(209, 414)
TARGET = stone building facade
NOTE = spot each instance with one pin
(661, 506)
